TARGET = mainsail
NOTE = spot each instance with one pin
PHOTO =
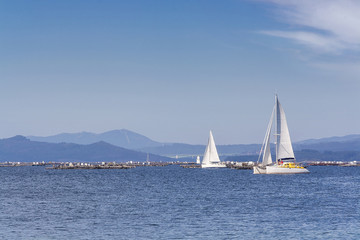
(284, 150)
(211, 154)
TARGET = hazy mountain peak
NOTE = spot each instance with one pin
(346, 138)
(18, 138)
(19, 148)
(119, 137)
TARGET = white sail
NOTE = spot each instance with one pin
(284, 148)
(266, 156)
(211, 154)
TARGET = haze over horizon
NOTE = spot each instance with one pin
(173, 70)
(73, 135)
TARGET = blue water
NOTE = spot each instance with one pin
(176, 203)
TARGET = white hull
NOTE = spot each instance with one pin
(213, 165)
(278, 170)
(259, 170)
(284, 170)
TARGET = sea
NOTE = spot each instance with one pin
(172, 202)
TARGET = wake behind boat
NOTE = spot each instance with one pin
(285, 158)
(211, 158)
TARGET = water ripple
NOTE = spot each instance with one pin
(176, 203)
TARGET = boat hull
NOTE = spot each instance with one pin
(279, 170)
(285, 170)
(213, 165)
(259, 170)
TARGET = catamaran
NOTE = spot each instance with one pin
(285, 158)
(211, 158)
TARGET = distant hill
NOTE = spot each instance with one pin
(131, 140)
(337, 148)
(346, 143)
(21, 149)
(352, 137)
(308, 155)
(172, 149)
(121, 138)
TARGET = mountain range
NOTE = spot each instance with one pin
(131, 140)
(124, 145)
(335, 144)
(347, 138)
(121, 138)
(22, 149)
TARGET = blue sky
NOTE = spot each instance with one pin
(173, 70)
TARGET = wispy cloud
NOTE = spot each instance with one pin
(310, 39)
(331, 26)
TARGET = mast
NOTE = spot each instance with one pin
(276, 129)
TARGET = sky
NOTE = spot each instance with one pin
(174, 69)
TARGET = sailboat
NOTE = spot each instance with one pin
(285, 158)
(211, 158)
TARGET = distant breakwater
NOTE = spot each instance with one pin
(130, 164)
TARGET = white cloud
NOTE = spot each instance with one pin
(313, 40)
(330, 25)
